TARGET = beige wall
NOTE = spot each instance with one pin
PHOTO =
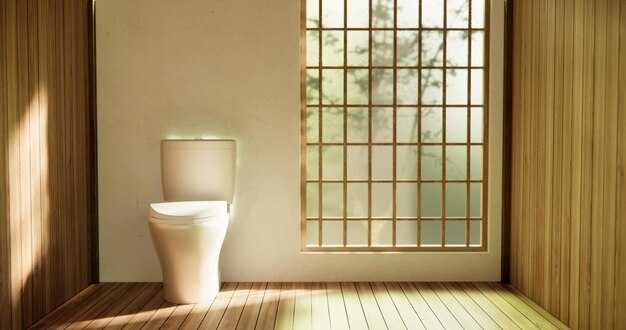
(230, 69)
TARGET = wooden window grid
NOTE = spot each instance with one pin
(310, 242)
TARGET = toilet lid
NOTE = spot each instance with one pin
(187, 210)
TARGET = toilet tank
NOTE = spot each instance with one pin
(198, 170)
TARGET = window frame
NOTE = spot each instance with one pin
(484, 219)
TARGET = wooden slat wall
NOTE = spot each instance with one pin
(568, 204)
(46, 141)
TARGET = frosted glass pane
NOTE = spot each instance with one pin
(382, 125)
(478, 48)
(332, 233)
(475, 233)
(382, 13)
(475, 200)
(432, 86)
(455, 233)
(382, 48)
(476, 125)
(358, 13)
(476, 163)
(332, 162)
(382, 233)
(456, 162)
(431, 200)
(455, 199)
(382, 162)
(432, 48)
(407, 86)
(456, 125)
(357, 200)
(357, 88)
(432, 125)
(458, 13)
(408, 13)
(312, 13)
(477, 86)
(332, 125)
(357, 124)
(312, 48)
(432, 163)
(457, 52)
(430, 233)
(406, 125)
(357, 233)
(478, 13)
(332, 13)
(406, 162)
(381, 200)
(358, 44)
(408, 47)
(312, 124)
(332, 200)
(357, 162)
(406, 200)
(312, 86)
(312, 233)
(332, 48)
(456, 82)
(382, 86)
(312, 162)
(406, 233)
(432, 13)
(312, 200)
(332, 86)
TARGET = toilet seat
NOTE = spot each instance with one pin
(187, 213)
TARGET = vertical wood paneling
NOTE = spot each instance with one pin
(568, 146)
(46, 194)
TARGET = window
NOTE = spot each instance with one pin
(394, 124)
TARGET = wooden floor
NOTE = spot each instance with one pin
(362, 305)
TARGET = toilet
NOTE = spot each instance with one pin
(188, 229)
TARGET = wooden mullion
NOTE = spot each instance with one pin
(395, 118)
(485, 179)
(391, 67)
(345, 123)
(369, 129)
(390, 29)
(303, 141)
(319, 127)
(443, 125)
(469, 127)
(390, 143)
(418, 201)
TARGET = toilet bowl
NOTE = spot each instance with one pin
(188, 237)
(188, 229)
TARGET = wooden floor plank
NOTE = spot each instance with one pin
(420, 306)
(135, 306)
(138, 320)
(214, 316)
(251, 310)
(356, 318)
(409, 316)
(527, 306)
(386, 306)
(269, 307)
(437, 306)
(486, 305)
(178, 316)
(319, 306)
(520, 319)
(112, 310)
(159, 317)
(336, 306)
(373, 316)
(69, 306)
(302, 316)
(306, 306)
(459, 311)
(235, 307)
(92, 313)
(286, 307)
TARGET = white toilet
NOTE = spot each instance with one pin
(188, 229)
